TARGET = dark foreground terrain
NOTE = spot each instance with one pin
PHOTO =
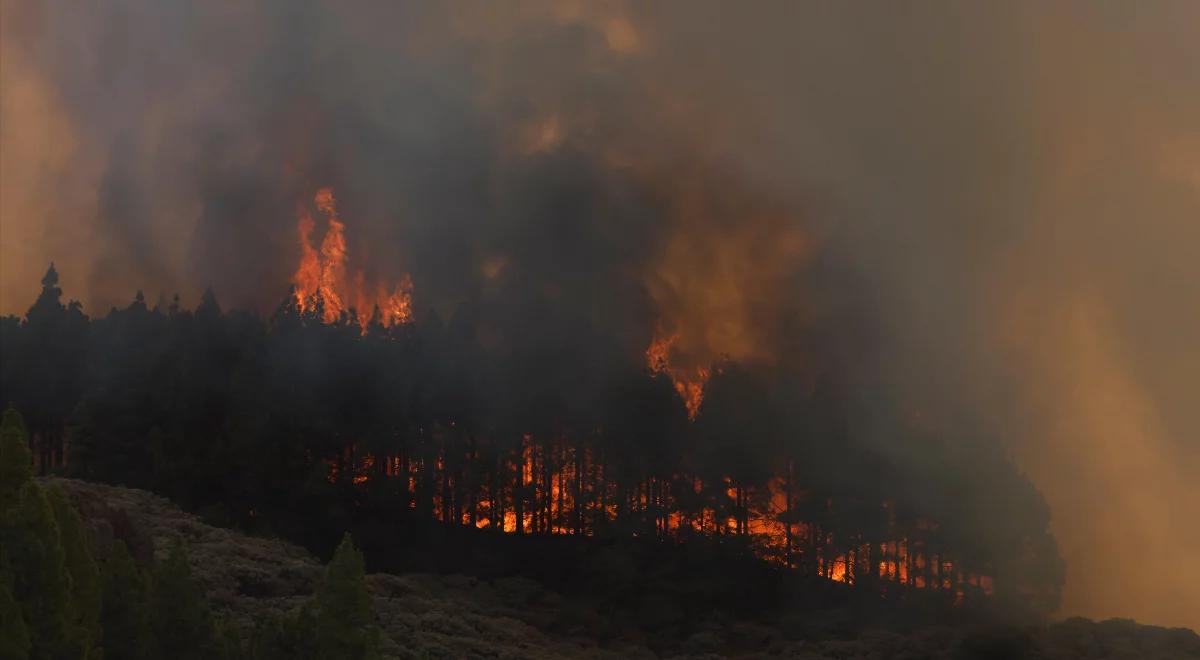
(249, 579)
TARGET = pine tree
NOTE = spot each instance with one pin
(208, 307)
(123, 616)
(14, 634)
(49, 301)
(290, 637)
(85, 576)
(35, 581)
(268, 642)
(16, 461)
(228, 642)
(41, 583)
(181, 620)
(345, 624)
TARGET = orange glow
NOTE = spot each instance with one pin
(659, 352)
(689, 383)
(691, 388)
(839, 572)
(362, 475)
(321, 284)
(558, 489)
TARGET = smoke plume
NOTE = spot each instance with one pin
(989, 212)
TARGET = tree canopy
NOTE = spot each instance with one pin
(57, 603)
(306, 428)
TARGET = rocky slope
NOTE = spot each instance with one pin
(249, 579)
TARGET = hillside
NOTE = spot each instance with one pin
(248, 579)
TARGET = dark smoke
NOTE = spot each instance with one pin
(982, 220)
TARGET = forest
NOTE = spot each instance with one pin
(66, 595)
(442, 451)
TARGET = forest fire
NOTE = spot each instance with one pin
(397, 429)
(556, 489)
(693, 328)
(322, 285)
(689, 383)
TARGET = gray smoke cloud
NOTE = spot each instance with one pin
(1007, 195)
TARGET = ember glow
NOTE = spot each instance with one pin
(321, 284)
(557, 489)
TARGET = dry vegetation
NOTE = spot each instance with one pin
(249, 579)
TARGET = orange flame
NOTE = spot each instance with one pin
(321, 283)
(689, 383)
(563, 491)
(658, 354)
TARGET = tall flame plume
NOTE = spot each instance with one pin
(321, 283)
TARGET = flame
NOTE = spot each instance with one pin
(659, 352)
(691, 388)
(320, 281)
(689, 383)
(565, 491)
(365, 466)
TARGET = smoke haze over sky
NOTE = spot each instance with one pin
(1008, 193)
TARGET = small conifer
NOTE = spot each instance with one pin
(181, 619)
(85, 576)
(123, 614)
(345, 624)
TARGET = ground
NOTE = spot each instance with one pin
(248, 579)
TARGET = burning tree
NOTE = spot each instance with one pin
(303, 420)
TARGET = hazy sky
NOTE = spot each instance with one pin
(1015, 188)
